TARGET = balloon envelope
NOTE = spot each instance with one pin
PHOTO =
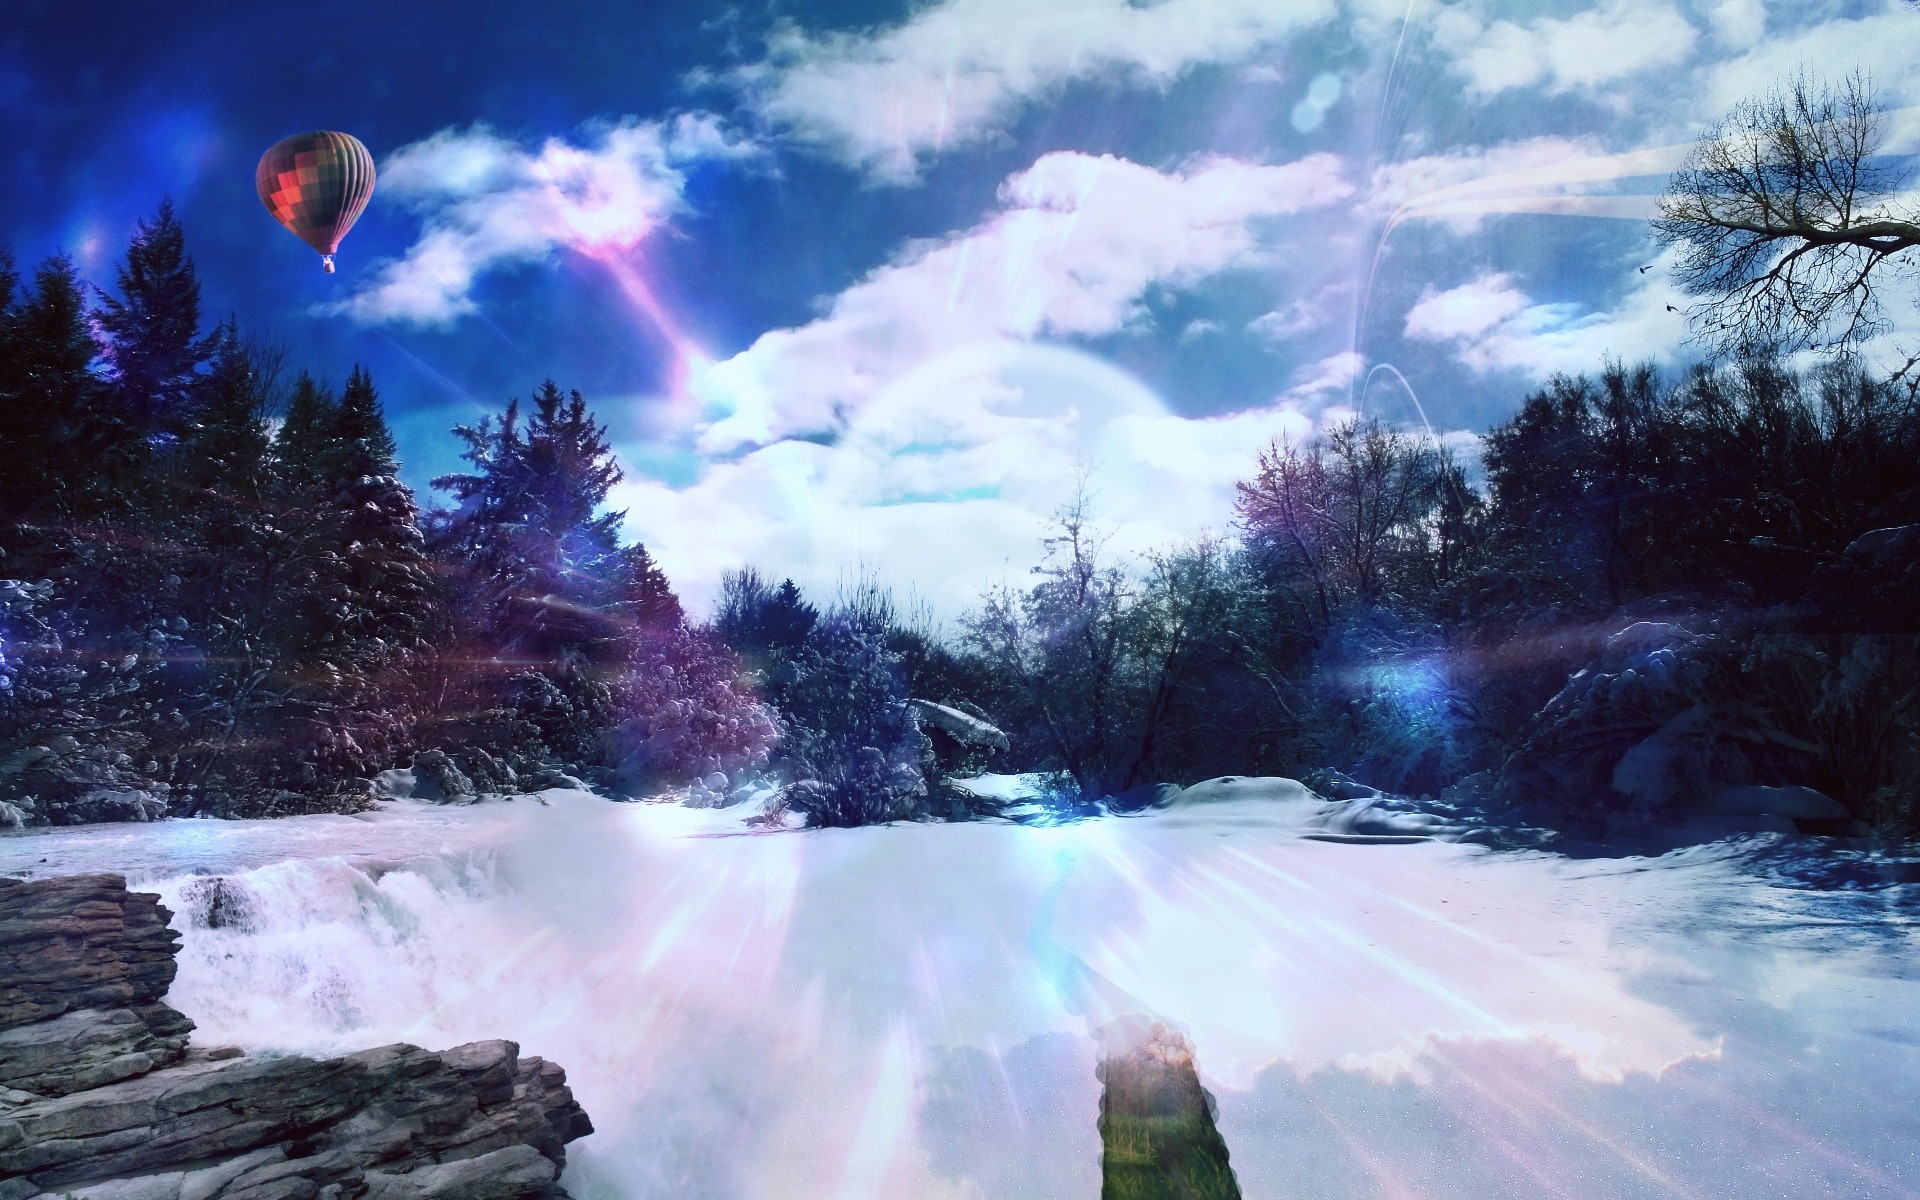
(316, 184)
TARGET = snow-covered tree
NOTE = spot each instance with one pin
(544, 597)
(853, 745)
(683, 714)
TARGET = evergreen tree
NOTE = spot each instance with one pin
(304, 438)
(545, 590)
(359, 617)
(766, 626)
(49, 464)
(301, 505)
(153, 332)
(383, 586)
(87, 646)
(223, 667)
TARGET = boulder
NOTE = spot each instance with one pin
(396, 784)
(437, 777)
(1143, 797)
(1895, 544)
(117, 804)
(962, 727)
(963, 742)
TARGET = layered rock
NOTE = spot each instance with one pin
(101, 1097)
(82, 942)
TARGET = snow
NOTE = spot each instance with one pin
(964, 728)
(916, 1010)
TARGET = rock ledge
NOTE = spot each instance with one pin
(101, 1098)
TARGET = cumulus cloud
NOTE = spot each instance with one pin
(1616, 39)
(944, 481)
(929, 421)
(1465, 312)
(959, 71)
(1492, 325)
(1880, 46)
(1738, 23)
(485, 202)
(1329, 376)
(1075, 245)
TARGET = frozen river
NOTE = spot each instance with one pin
(913, 1011)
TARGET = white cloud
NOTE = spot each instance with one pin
(1466, 311)
(1417, 182)
(1331, 375)
(1616, 39)
(944, 481)
(1738, 23)
(1552, 175)
(1075, 246)
(925, 426)
(959, 71)
(1304, 315)
(1493, 326)
(1881, 46)
(486, 202)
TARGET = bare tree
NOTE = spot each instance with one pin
(1787, 222)
(1341, 519)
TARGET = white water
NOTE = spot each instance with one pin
(911, 1011)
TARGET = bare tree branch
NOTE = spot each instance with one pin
(1786, 221)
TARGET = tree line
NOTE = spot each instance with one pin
(218, 597)
(1661, 589)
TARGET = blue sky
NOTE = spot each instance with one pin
(869, 285)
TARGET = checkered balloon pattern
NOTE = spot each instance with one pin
(317, 185)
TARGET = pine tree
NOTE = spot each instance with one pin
(49, 464)
(153, 331)
(546, 592)
(90, 638)
(223, 668)
(375, 525)
(305, 436)
(300, 504)
(352, 611)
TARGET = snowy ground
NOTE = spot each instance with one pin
(913, 1011)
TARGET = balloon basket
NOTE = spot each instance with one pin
(326, 263)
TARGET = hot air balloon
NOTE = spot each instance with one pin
(317, 185)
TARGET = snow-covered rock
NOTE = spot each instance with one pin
(120, 804)
(1143, 797)
(437, 777)
(962, 727)
(1885, 547)
(1267, 789)
(396, 784)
